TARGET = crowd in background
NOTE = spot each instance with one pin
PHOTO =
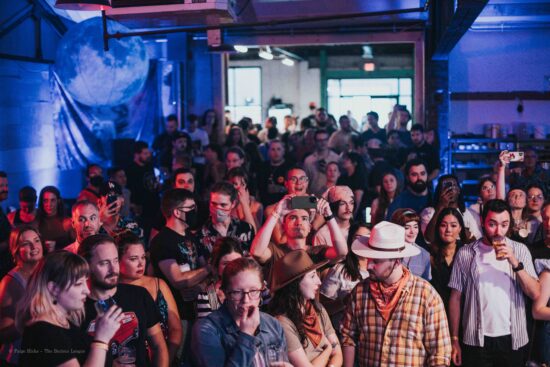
(321, 242)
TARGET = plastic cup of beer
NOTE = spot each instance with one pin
(498, 244)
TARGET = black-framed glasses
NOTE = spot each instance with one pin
(295, 179)
(238, 295)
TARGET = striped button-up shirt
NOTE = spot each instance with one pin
(465, 279)
(416, 335)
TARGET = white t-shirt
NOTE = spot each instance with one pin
(494, 289)
(199, 134)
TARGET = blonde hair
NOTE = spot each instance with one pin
(64, 269)
(15, 237)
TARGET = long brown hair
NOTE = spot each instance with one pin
(15, 236)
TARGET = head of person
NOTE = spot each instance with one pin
(295, 287)
(296, 224)
(209, 118)
(171, 124)
(276, 151)
(535, 197)
(85, 219)
(296, 181)
(131, 255)
(333, 172)
(305, 124)
(487, 189)
(184, 179)
(384, 249)
(245, 124)
(223, 199)
(238, 178)
(3, 185)
(179, 205)
(101, 254)
(213, 153)
(50, 203)
(417, 134)
(321, 115)
(394, 140)
(27, 199)
(430, 135)
(408, 219)
(390, 184)
(234, 157)
(270, 122)
(142, 153)
(351, 263)
(341, 201)
(530, 158)
(242, 284)
(545, 212)
(404, 116)
(25, 245)
(225, 250)
(56, 290)
(495, 219)
(345, 123)
(109, 193)
(289, 121)
(118, 175)
(516, 198)
(449, 184)
(372, 119)
(192, 122)
(353, 163)
(181, 142)
(94, 175)
(235, 136)
(449, 227)
(321, 139)
(374, 148)
(416, 175)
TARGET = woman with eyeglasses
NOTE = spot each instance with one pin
(311, 338)
(238, 334)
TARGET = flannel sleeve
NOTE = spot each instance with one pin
(349, 327)
(437, 339)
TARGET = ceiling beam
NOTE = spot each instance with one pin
(465, 15)
(11, 23)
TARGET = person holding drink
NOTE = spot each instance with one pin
(492, 275)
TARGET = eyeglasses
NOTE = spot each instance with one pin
(295, 179)
(535, 197)
(239, 295)
(488, 188)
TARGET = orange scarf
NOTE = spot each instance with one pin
(312, 325)
(386, 296)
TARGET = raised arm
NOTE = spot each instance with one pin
(185, 279)
(340, 247)
(503, 161)
(260, 245)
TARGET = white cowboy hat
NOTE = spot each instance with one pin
(386, 241)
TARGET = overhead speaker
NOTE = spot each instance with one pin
(83, 5)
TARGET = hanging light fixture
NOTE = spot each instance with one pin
(83, 5)
(266, 54)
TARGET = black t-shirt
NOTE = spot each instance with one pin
(45, 344)
(539, 251)
(369, 134)
(185, 251)
(141, 313)
(271, 182)
(428, 154)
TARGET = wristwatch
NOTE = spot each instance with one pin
(518, 268)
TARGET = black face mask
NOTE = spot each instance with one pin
(96, 181)
(419, 186)
(191, 218)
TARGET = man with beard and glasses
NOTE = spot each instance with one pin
(94, 176)
(85, 222)
(144, 186)
(416, 196)
(6, 262)
(141, 316)
(394, 318)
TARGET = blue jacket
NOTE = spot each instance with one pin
(217, 341)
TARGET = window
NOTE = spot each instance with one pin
(244, 93)
(360, 96)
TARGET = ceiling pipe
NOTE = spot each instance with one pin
(270, 23)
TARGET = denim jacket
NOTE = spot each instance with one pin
(217, 341)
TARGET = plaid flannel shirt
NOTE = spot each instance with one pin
(416, 335)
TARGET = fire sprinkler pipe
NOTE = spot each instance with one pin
(269, 23)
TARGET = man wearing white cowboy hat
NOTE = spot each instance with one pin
(394, 318)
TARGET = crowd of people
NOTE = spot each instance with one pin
(318, 243)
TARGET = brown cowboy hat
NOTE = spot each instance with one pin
(291, 267)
